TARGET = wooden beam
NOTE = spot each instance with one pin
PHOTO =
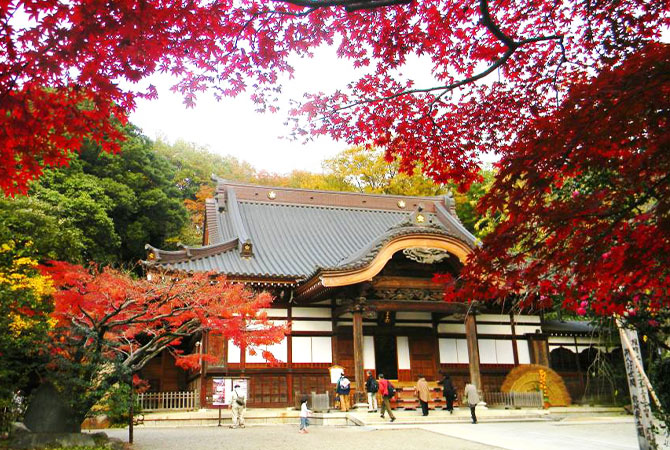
(416, 305)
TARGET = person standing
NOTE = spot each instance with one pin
(472, 397)
(371, 387)
(387, 391)
(238, 404)
(304, 414)
(422, 391)
(343, 389)
(448, 391)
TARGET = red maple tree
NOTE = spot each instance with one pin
(505, 74)
(108, 325)
(70, 70)
(585, 198)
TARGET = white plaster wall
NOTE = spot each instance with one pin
(312, 349)
(487, 351)
(523, 352)
(414, 324)
(279, 350)
(308, 325)
(448, 351)
(525, 329)
(403, 353)
(405, 315)
(492, 318)
(234, 353)
(301, 349)
(526, 319)
(451, 328)
(322, 349)
(310, 312)
(369, 353)
(462, 350)
(483, 328)
(504, 352)
(275, 312)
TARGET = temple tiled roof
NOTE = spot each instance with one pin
(258, 232)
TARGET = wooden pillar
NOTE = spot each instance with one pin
(473, 350)
(358, 352)
(539, 349)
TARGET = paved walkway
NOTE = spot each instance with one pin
(588, 433)
(286, 437)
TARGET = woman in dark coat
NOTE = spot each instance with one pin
(448, 390)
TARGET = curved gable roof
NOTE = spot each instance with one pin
(294, 233)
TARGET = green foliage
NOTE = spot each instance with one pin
(659, 375)
(196, 164)
(52, 234)
(118, 203)
(24, 324)
(466, 205)
(116, 404)
(368, 171)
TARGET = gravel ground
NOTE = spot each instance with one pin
(286, 437)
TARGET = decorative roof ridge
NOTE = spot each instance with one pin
(365, 255)
(222, 183)
(245, 245)
(322, 206)
(156, 255)
(448, 219)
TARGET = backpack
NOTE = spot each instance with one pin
(391, 390)
(344, 383)
(374, 386)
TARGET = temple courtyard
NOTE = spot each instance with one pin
(574, 433)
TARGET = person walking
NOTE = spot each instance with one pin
(343, 389)
(472, 397)
(304, 414)
(238, 404)
(422, 391)
(448, 391)
(387, 391)
(371, 387)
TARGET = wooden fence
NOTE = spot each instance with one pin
(155, 401)
(514, 399)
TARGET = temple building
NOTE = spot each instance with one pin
(352, 277)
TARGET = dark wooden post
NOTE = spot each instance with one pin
(131, 412)
(473, 350)
(358, 353)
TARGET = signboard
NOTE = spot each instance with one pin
(335, 372)
(222, 389)
(638, 391)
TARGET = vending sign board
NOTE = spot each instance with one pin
(222, 389)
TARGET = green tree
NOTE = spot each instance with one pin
(368, 171)
(118, 202)
(29, 219)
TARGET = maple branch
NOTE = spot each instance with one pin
(349, 5)
(487, 21)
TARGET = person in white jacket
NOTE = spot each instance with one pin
(304, 414)
(472, 397)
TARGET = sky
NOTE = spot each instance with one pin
(232, 127)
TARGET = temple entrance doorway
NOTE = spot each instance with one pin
(386, 356)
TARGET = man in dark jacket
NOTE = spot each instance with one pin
(371, 387)
(448, 390)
